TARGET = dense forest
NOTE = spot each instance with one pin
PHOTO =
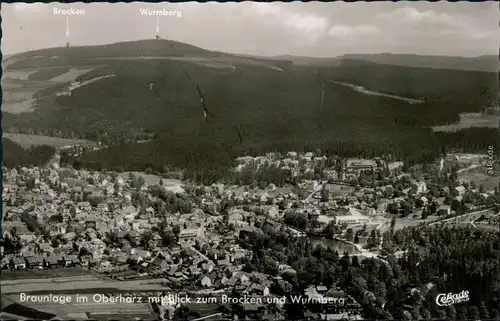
(205, 162)
(439, 261)
(446, 92)
(14, 155)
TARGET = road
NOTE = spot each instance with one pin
(456, 217)
(200, 254)
(468, 168)
(319, 188)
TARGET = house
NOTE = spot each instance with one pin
(395, 166)
(444, 210)
(4, 263)
(351, 219)
(159, 265)
(460, 190)
(422, 201)
(259, 289)
(241, 276)
(52, 261)
(206, 282)
(189, 236)
(18, 263)
(71, 260)
(142, 254)
(360, 165)
(121, 235)
(121, 259)
(84, 206)
(102, 207)
(244, 160)
(321, 289)
(87, 261)
(35, 262)
(134, 236)
(418, 188)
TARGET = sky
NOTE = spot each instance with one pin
(303, 29)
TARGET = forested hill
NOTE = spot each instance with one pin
(487, 63)
(452, 91)
(146, 49)
(252, 104)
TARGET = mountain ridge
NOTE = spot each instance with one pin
(171, 48)
(487, 63)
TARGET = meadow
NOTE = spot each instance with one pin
(27, 141)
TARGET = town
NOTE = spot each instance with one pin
(144, 235)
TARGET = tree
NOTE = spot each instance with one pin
(473, 313)
(139, 182)
(168, 238)
(349, 234)
(481, 189)
(407, 208)
(483, 311)
(433, 208)
(325, 195)
(425, 212)
(161, 182)
(146, 238)
(176, 230)
(356, 238)
(393, 224)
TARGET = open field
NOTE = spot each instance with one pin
(408, 221)
(17, 74)
(80, 283)
(18, 107)
(126, 317)
(48, 73)
(27, 141)
(339, 190)
(70, 272)
(471, 120)
(488, 182)
(173, 185)
(71, 75)
(21, 85)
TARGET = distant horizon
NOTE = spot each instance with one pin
(261, 55)
(312, 29)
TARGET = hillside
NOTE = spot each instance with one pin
(461, 90)
(146, 49)
(255, 105)
(309, 61)
(488, 63)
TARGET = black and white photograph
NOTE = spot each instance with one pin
(250, 161)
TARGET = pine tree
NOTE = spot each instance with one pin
(483, 311)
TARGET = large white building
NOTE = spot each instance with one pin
(351, 219)
(189, 236)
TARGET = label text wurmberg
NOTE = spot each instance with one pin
(163, 12)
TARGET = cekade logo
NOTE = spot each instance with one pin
(444, 299)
